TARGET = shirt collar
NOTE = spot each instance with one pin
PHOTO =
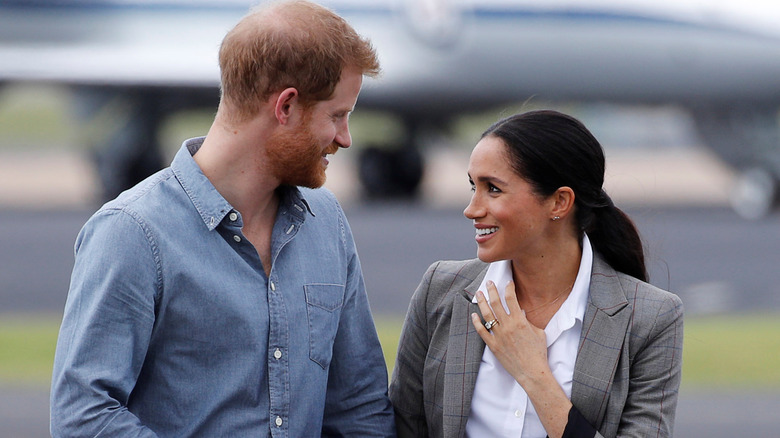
(209, 203)
(571, 311)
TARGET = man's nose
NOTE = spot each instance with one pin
(343, 137)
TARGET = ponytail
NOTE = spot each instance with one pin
(613, 235)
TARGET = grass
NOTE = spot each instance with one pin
(35, 116)
(27, 349)
(733, 351)
(721, 352)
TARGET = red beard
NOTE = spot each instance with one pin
(296, 159)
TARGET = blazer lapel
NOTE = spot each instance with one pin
(464, 356)
(603, 332)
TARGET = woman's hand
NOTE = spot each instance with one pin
(521, 348)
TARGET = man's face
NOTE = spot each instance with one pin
(299, 158)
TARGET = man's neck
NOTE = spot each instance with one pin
(231, 158)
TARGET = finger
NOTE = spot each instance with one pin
(487, 313)
(511, 302)
(481, 330)
(495, 301)
(511, 298)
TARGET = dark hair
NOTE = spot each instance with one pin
(552, 150)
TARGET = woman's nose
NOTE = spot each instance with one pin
(473, 210)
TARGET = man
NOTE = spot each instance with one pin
(216, 298)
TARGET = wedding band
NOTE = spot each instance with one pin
(489, 325)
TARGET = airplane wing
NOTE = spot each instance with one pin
(444, 57)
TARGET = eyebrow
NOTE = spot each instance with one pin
(488, 179)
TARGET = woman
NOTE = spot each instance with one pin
(578, 344)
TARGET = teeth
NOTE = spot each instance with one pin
(486, 231)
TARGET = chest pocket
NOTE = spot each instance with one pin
(323, 306)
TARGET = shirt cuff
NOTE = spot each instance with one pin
(578, 426)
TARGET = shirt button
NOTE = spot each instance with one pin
(278, 421)
(237, 238)
(273, 286)
(278, 353)
(518, 413)
(233, 216)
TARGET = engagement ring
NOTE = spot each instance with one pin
(489, 325)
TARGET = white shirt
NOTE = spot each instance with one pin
(500, 407)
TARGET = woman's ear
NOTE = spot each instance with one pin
(563, 205)
(285, 103)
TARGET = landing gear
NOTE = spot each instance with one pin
(747, 137)
(755, 194)
(120, 129)
(390, 173)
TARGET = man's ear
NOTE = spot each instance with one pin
(285, 104)
(563, 202)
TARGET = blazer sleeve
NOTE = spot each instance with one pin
(655, 372)
(406, 384)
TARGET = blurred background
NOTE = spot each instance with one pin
(683, 97)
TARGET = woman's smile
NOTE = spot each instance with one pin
(484, 233)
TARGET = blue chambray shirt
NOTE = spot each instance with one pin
(171, 327)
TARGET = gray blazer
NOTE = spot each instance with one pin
(626, 376)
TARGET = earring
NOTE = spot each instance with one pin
(555, 218)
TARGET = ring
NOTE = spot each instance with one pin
(489, 325)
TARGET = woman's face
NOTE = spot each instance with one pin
(511, 221)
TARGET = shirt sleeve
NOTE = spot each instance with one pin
(356, 402)
(107, 322)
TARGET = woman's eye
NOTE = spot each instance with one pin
(494, 189)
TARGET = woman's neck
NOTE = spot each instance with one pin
(543, 281)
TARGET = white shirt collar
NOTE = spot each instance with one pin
(572, 310)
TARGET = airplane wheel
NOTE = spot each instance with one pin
(390, 173)
(755, 194)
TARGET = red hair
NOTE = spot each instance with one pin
(295, 44)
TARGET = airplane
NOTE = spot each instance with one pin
(138, 60)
